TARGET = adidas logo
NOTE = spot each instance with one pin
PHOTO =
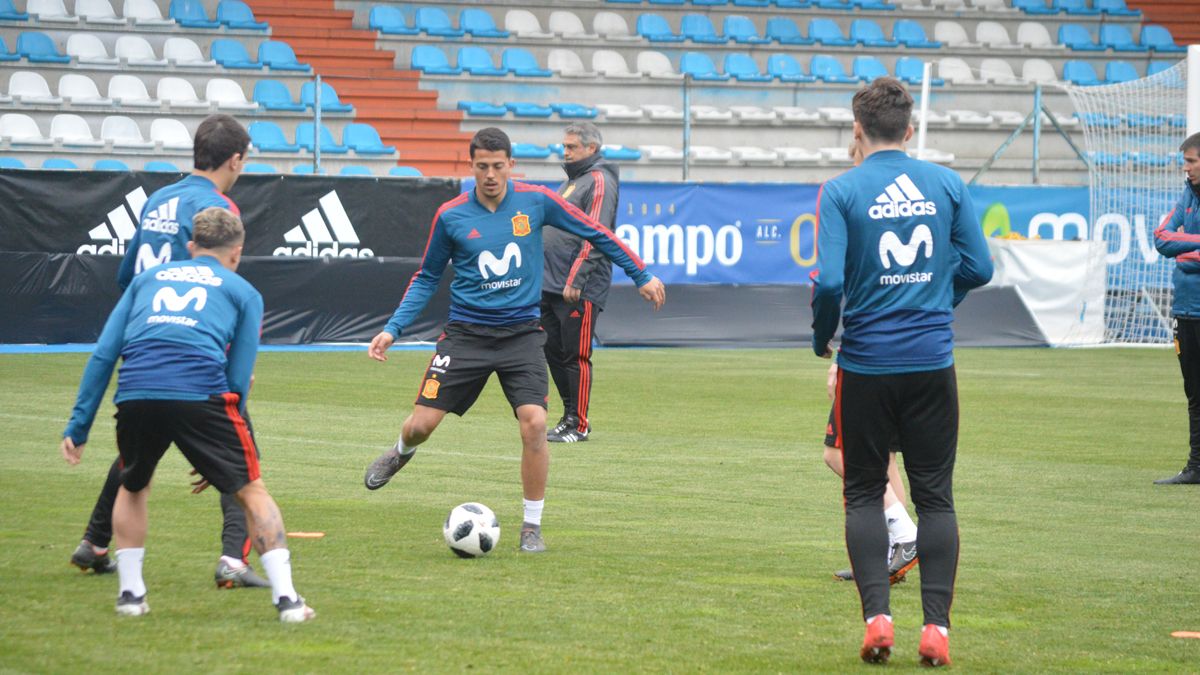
(329, 235)
(574, 314)
(109, 237)
(474, 234)
(162, 219)
(901, 199)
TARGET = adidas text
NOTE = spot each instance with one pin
(117, 247)
(902, 210)
(310, 250)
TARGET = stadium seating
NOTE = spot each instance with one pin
(304, 138)
(268, 137)
(567, 25)
(1159, 39)
(1035, 35)
(232, 54)
(1117, 38)
(522, 63)
(432, 61)
(911, 70)
(98, 12)
(1077, 7)
(364, 140)
(482, 109)
(955, 71)
(1039, 71)
(39, 48)
(998, 71)
(170, 134)
(145, 13)
(786, 68)
(912, 35)
(124, 133)
(620, 111)
(523, 24)
(753, 113)
(404, 171)
(612, 27)
(307, 170)
(699, 29)
(786, 32)
(567, 63)
(477, 61)
(741, 30)
(160, 166)
(329, 98)
(21, 129)
(993, 36)
(529, 110)
(529, 151)
(355, 170)
(136, 51)
(1157, 67)
(611, 64)
(6, 55)
(829, 69)
(1119, 71)
(227, 95)
(434, 21)
(952, 34)
(1080, 72)
(743, 68)
(49, 11)
(868, 34)
(1035, 6)
(574, 111)
(191, 14)
(237, 15)
(81, 90)
(279, 56)
(656, 29)
(73, 130)
(30, 88)
(183, 53)
(827, 32)
(274, 95)
(87, 48)
(662, 112)
(1115, 8)
(478, 23)
(620, 153)
(129, 90)
(110, 165)
(389, 20)
(868, 68)
(258, 167)
(1077, 37)
(179, 94)
(700, 67)
(661, 153)
(59, 163)
(708, 153)
(9, 13)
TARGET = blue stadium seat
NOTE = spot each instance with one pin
(751, 3)
(700, 67)
(1117, 38)
(867, 68)
(874, 5)
(786, 32)
(1099, 120)
(477, 61)
(479, 23)
(1078, 38)
(11, 163)
(405, 171)
(741, 30)
(698, 28)
(656, 29)
(1036, 7)
(274, 95)
(1081, 73)
(329, 98)
(390, 20)
(259, 167)
(829, 69)
(574, 111)
(355, 170)
(709, 3)
(793, 4)
(868, 33)
(6, 55)
(304, 138)
(909, 70)
(1152, 158)
(1077, 7)
(1116, 8)
(435, 21)
(238, 15)
(268, 137)
(529, 151)
(912, 35)
(39, 48)
(1108, 158)
(279, 56)
(9, 13)
(307, 170)
(232, 54)
(482, 109)
(110, 165)
(525, 109)
(826, 32)
(160, 166)
(787, 69)
(191, 14)
(743, 68)
(432, 61)
(1138, 120)
(1157, 67)
(843, 5)
(620, 153)
(1157, 38)
(522, 63)
(627, 2)
(1119, 71)
(59, 163)
(668, 2)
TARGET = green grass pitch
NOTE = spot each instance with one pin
(695, 532)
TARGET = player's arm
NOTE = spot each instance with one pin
(243, 350)
(421, 287)
(975, 260)
(125, 271)
(602, 207)
(828, 279)
(1170, 239)
(95, 380)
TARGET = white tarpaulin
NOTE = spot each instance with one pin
(1061, 282)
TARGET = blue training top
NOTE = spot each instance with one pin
(186, 330)
(1178, 237)
(900, 238)
(165, 225)
(497, 256)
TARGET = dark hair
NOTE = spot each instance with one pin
(1191, 143)
(491, 139)
(884, 109)
(218, 138)
(217, 228)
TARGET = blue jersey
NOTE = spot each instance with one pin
(900, 239)
(165, 225)
(186, 330)
(497, 256)
(1178, 237)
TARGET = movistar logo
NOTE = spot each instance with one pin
(490, 265)
(891, 248)
(901, 199)
(173, 302)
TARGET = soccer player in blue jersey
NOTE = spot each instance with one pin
(164, 229)
(493, 236)
(898, 239)
(187, 334)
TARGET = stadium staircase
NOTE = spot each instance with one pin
(1181, 17)
(388, 99)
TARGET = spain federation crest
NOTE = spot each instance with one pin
(430, 390)
(520, 224)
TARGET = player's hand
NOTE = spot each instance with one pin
(571, 294)
(198, 486)
(654, 292)
(379, 346)
(831, 382)
(71, 452)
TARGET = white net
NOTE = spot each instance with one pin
(1132, 133)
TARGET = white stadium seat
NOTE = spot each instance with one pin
(145, 13)
(20, 129)
(523, 24)
(568, 26)
(992, 5)
(907, 5)
(128, 90)
(1034, 34)
(31, 88)
(123, 132)
(611, 26)
(794, 155)
(751, 154)
(98, 12)
(708, 113)
(135, 51)
(837, 114)
(708, 153)
(87, 48)
(50, 11)
(611, 64)
(951, 34)
(81, 90)
(994, 35)
(227, 95)
(171, 134)
(619, 111)
(933, 117)
(661, 153)
(998, 71)
(972, 118)
(567, 63)
(791, 113)
(955, 70)
(840, 154)
(753, 113)
(1038, 70)
(657, 65)
(178, 93)
(1008, 118)
(658, 111)
(73, 130)
(181, 51)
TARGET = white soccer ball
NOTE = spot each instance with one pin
(471, 530)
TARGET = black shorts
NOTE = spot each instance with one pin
(834, 440)
(468, 354)
(211, 434)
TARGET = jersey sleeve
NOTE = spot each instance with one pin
(565, 216)
(438, 249)
(1170, 239)
(99, 371)
(829, 277)
(602, 207)
(243, 350)
(975, 260)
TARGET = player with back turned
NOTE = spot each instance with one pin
(899, 240)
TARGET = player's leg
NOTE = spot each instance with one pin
(233, 569)
(523, 379)
(269, 537)
(554, 309)
(902, 531)
(92, 552)
(1187, 347)
(578, 330)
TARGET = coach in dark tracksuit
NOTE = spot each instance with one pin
(1178, 237)
(576, 280)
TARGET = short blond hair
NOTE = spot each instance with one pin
(217, 228)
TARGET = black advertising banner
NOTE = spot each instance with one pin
(95, 213)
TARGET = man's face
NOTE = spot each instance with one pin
(574, 149)
(491, 169)
(1191, 166)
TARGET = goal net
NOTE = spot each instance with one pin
(1132, 131)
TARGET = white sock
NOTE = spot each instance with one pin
(278, 565)
(235, 563)
(886, 616)
(533, 511)
(129, 569)
(901, 528)
(404, 449)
